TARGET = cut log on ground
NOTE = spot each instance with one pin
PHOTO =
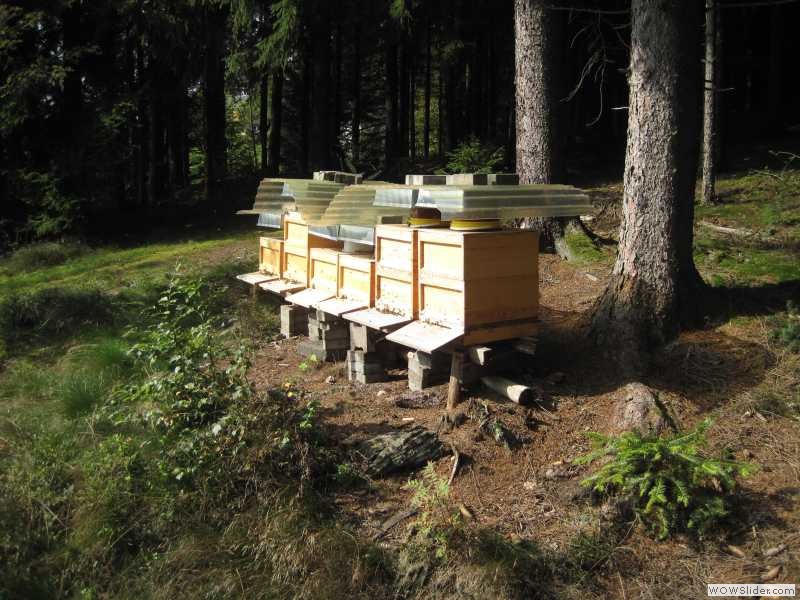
(521, 394)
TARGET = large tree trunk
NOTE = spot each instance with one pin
(391, 105)
(540, 59)
(426, 128)
(654, 286)
(214, 105)
(402, 146)
(263, 121)
(356, 125)
(774, 88)
(710, 86)
(322, 91)
(275, 124)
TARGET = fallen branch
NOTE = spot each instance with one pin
(392, 521)
(727, 230)
(456, 464)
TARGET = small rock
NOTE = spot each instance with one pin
(771, 574)
(638, 410)
(330, 379)
(381, 393)
(735, 551)
(774, 551)
(529, 485)
(550, 474)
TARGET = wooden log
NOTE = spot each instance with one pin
(521, 394)
(454, 388)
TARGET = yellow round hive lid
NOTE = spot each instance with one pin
(474, 224)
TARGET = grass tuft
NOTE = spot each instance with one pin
(42, 254)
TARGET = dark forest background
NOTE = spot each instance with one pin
(117, 113)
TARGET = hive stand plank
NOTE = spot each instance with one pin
(255, 278)
(424, 337)
(375, 319)
(308, 297)
(281, 287)
(339, 306)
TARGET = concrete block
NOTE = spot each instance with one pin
(293, 320)
(363, 338)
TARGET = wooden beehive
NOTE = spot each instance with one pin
(270, 256)
(324, 270)
(485, 284)
(297, 246)
(356, 279)
(396, 270)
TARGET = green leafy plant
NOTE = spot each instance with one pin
(438, 521)
(672, 483)
(471, 156)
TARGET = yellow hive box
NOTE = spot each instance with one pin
(483, 283)
(356, 279)
(396, 270)
(324, 270)
(270, 256)
(297, 246)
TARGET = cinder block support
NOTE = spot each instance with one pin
(425, 370)
(364, 367)
(328, 337)
(363, 338)
(294, 320)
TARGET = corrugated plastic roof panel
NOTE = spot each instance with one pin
(505, 201)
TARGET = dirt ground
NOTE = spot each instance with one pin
(532, 491)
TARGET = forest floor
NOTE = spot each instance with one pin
(734, 370)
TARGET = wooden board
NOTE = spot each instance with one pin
(396, 270)
(339, 306)
(424, 336)
(255, 278)
(375, 319)
(281, 286)
(297, 246)
(356, 279)
(308, 297)
(323, 269)
(270, 256)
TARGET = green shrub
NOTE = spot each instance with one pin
(112, 501)
(786, 330)
(471, 156)
(53, 311)
(36, 494)
(672, 483)
(41, 254)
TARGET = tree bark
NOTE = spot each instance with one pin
(356, 124)
(391, 104)
(540, 59)
(402, 145)
(275, 124)
(214, 101)
(263, 121)
(654, 286)
(426, 128)
(710, 87)
(774, 88)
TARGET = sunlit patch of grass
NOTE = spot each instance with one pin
(730, 262)
(582, 248)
